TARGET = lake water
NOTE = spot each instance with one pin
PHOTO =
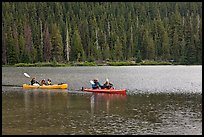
(160, 100)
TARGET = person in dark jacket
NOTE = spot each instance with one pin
(34, 81)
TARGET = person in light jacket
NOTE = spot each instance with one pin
(107, 84)
(49, 82)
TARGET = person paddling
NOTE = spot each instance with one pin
(34, 81)
(96, 84)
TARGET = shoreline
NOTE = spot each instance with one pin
(86, 63)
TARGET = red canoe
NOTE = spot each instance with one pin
(112, 91)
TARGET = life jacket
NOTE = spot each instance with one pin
(48, 82)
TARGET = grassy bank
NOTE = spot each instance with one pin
(132, 63)
(108, 63)
(45, 64)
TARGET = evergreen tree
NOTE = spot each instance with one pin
(57, 45)
(191, 50)
(183, 59)
(118, 50)
(165, 46)
(47, 47)
(159, 31)
(138, 57)
(21, 47)
(4, 54)
(11, 51)
(77, 52)
(28, 51)
(175, 47)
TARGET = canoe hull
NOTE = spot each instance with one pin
(55, 86)
(110, 91)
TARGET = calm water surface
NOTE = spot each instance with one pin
(161, 100)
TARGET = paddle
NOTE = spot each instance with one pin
(91, 81)
(25, 74)
(28, 76)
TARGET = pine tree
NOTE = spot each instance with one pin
(57, 45)
(77, 52)
(165, 46)
(118, 49)
(21, 47)
(183, 59)
(176, 33)
(149, 49)
(28, 51)
(138, 57)
(47, 47)
(11, 51)
(4, 54)
(190, 46)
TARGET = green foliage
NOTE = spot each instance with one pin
(57, 45)
(150, 62)
(86, 63)
(138, 57)
(41, 64)
(121, 63)
(90, 31)
(77, 51)
(24, 65)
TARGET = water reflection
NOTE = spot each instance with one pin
(63, 112)
(40, 109)
(104, 101)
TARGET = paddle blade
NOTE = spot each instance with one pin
(91, 81)
(25, 74)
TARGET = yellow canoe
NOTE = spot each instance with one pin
(55, 86)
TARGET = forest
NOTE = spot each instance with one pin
(101, 31)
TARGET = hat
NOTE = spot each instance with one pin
(96, 79)
(107, 80)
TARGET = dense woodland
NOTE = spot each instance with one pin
(100, 31)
